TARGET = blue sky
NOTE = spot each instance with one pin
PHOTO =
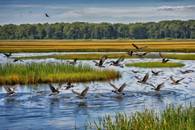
(114, 11)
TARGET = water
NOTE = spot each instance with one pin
(33, 108)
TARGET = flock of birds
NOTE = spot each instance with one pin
(119, 90)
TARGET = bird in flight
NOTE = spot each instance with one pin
(174, 81)
(101, 61)
(82, 94)
(118, 90)
(10, 91)
(158, 87)
(54, 90)
(144, 80)
(47, 15)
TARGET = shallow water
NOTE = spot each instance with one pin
(33, 108)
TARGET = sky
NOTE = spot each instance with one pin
(96, 11)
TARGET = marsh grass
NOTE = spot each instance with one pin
(181, 56)
(50, 73)
(155, 64)
(95, 45)
(178, 118)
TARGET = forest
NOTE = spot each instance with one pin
(174, 29)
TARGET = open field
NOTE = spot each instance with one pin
(52, 73)
(170, 119)
(95, 45)
(155, 64)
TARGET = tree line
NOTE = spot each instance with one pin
(81, 30)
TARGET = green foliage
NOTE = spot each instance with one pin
(81, 30)
(170, 119)
(49, 73)
(155, 64)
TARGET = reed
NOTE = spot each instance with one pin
(52, 73)
(155, 64)
(171, 118)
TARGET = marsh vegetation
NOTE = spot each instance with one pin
(48, 73)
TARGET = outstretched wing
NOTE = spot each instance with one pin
(135, 46)
(52, 88)
(160, 86)
(179, 80)
(160, 54)
(77, 93)
(122, 87)
(146, 77)
(84, 92)
(113, 86)
(8, 89)
(172, 79)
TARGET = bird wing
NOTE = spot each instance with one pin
(160, 86)
(146, 77)
(180, 79)
(160, 54)
(95, 61)
(130, 53)
(113, 86)
(153, 72)
(103, 58)
(84, 92)
(52, 88)
(77, 93)
(122, 87)
(8, 89)
(135, 46)
(172, 79)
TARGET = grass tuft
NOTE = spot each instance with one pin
(155, 64)
(50, 73)
(170, 119)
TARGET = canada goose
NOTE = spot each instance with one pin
(82, 94)
(138, 48)
(117, 62)
(158, 87)
(174, 81)
(10, 91)
(69, 85)
(118, 90)
(7, 54)
(144, 80)
(141, 54)
(130, 53)
(54, 90)
(187, 71)
(135, 71)
(73, 62)
(101, 61)
(47, 15)
(156, 73)
(164, 59)
(16, 60)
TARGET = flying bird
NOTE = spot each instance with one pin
(54, 90)
(144, 80)
(10, 91)
(135, 71)
(73, 62)
(130, 53)
(174, 81)
(47, 15)
(7, 54)
(164, 59)
(69, 85)
(156, 73)
(187, 71)
(141, 54)
(118, 90)
(82, 94)
(16, 60)
(138, 48)
(101, 61)
(117, 62)
(158, 87)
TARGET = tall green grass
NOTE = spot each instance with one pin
(170, 119)
(155, 64)
(47, 73)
